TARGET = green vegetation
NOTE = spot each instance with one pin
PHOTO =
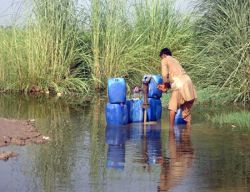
(66, 48)
(236, 119)
(126, 44)
(223, 33)
(40, 54)
(62, 50)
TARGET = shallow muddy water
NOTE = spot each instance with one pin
(85, 155)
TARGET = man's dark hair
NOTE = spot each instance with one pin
(165, 51)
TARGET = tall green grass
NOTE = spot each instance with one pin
(126, 37)
(223, 33)
(42, 52)
(65, 48)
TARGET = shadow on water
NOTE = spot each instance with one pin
(86, 155)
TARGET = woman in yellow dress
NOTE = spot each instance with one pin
(183, 93)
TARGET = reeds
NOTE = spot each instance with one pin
(41, 53)
(223, 33)
(61, 50)
(126, 37)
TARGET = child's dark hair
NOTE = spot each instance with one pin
(165, 51)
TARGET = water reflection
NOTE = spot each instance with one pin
(115, 138)
(84, 156)
(149, 138)
(136, 132)
(173, 165)
(153, 144)
(181, 154)
(51, 166)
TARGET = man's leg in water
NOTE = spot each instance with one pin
(186, 112)
(172, 106)
(171, 119)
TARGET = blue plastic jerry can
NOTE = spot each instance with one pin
(135, 110)
(153, 91)
(117, 90)
(178, 117)
(116, 114)
(154, 110)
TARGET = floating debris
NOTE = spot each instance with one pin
(59, 94)
(46, 138)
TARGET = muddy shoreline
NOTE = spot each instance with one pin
(18, 132)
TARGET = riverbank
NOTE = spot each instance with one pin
(18, 132)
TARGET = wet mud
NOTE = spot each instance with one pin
(18, 132)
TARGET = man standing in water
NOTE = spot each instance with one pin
(183, 93)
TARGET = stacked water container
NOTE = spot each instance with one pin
(135, 111)
(154, 99)
(116, 108)
(120, 111)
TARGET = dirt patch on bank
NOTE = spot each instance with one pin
(6, 155)
(18, 132)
